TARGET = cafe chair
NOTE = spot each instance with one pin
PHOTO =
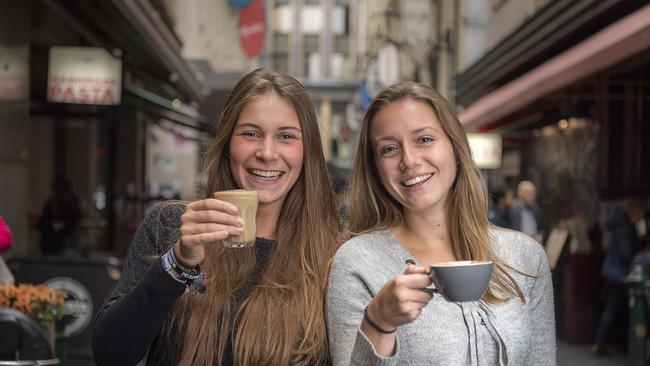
(22, 338)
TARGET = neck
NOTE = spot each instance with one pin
(429, 229)
(267, 220)
(425, 237)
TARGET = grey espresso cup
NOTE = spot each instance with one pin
(461, 281)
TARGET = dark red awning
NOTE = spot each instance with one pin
(622, 39)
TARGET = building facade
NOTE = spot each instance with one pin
(110, 153)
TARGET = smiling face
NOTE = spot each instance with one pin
(413, 155)
(266, 148)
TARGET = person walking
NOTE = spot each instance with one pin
(499, 209)
(185, 299)
(415, 199)
(622, 245)
(526, 214)
(59, 219)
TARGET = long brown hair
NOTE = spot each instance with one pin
(281, 321)
(371, 207)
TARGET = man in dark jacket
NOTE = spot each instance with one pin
(622, 244)
(499, 211)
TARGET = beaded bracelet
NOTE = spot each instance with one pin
(374, 325)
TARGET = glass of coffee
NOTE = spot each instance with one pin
(246, 202)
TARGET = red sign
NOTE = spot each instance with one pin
(87, 90)
(252, 28)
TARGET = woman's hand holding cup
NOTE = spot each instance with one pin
(401, 300)
(204, 222)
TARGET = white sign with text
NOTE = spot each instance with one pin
(82, 75)
(486, 149)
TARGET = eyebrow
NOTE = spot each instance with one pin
(253, 125)
(414, 132)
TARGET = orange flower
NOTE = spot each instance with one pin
(43, 304)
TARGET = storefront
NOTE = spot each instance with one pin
(109, 140)
(578, 109)
(568, 92)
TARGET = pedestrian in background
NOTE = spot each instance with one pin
(500, 207)
(59, 219)
(416, 198)
(622, 244)
(262, 305)
(526, 214)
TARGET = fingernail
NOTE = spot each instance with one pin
(239, 230)
(240, 222)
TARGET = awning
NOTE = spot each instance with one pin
(620, 40)
(150, 25)
(175, 112)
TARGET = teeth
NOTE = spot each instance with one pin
(416, 180)
(266, 173)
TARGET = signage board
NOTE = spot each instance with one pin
(486, 149)
(239, 3)
(82, 75)
(373, 85)
(78, 304)
(252, 28)
(388, 64)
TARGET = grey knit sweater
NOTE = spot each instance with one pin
(446, 333)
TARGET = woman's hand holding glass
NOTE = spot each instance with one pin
(204, 222)
(401, 300)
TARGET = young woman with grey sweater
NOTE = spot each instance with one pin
(416, 198)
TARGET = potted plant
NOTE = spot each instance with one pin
(44, 305)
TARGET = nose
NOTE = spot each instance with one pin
(409, 159)
(267, 151)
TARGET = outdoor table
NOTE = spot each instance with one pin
(52, 361)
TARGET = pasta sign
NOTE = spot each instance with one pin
(251, 28)
(81, 75)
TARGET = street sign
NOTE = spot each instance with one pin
(252, 28)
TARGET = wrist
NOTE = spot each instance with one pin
(376, 323)
(182, 259)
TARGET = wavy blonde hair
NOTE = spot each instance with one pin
(371, 207)
(281, 321)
